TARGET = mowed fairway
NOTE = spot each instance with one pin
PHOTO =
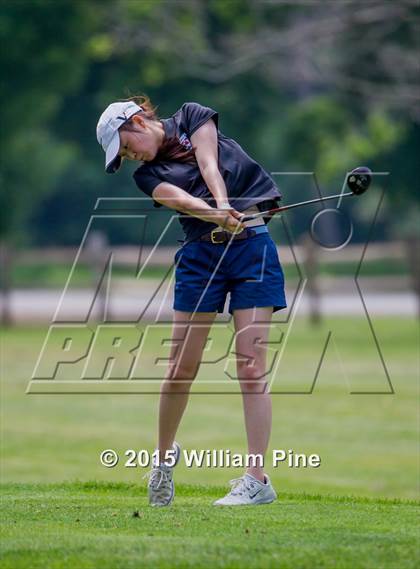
(61, 508)
(111, 526)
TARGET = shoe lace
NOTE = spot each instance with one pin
(239, 485)
(157, 476)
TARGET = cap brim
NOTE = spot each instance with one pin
(112, 159)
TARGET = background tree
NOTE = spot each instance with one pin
(43, 59)
(318, 86)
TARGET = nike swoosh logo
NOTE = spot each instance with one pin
(256, 493)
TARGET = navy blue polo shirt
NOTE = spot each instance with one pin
(247, 183)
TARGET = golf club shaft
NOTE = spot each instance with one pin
(291, 206)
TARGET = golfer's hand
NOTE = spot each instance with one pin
(229, 220)
(225, 206)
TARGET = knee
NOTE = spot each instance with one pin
(179, 379)
(252, 378)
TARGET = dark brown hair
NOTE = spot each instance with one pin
(171, 148)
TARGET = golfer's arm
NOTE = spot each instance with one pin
(205, 144)
(176, 198)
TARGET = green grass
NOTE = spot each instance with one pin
(368, 445)
(90, 525)
(55, 275)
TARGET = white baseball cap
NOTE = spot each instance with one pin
(107, 133)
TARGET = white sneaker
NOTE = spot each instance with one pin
(248, 491)
(161, 487)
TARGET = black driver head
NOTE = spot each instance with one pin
(359, 180)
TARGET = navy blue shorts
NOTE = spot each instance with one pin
(248, 268)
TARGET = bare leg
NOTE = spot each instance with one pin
(251, 368)
(189, 335)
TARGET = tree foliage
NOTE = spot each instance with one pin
(319, 86)
(43, 59)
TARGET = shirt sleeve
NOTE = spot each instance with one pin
(195, 115)
(147, 182)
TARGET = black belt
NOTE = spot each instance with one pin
(216, 236)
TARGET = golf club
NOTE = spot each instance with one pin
(358, 181)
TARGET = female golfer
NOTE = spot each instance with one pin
(188, 165)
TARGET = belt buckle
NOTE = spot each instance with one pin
(213, 235)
